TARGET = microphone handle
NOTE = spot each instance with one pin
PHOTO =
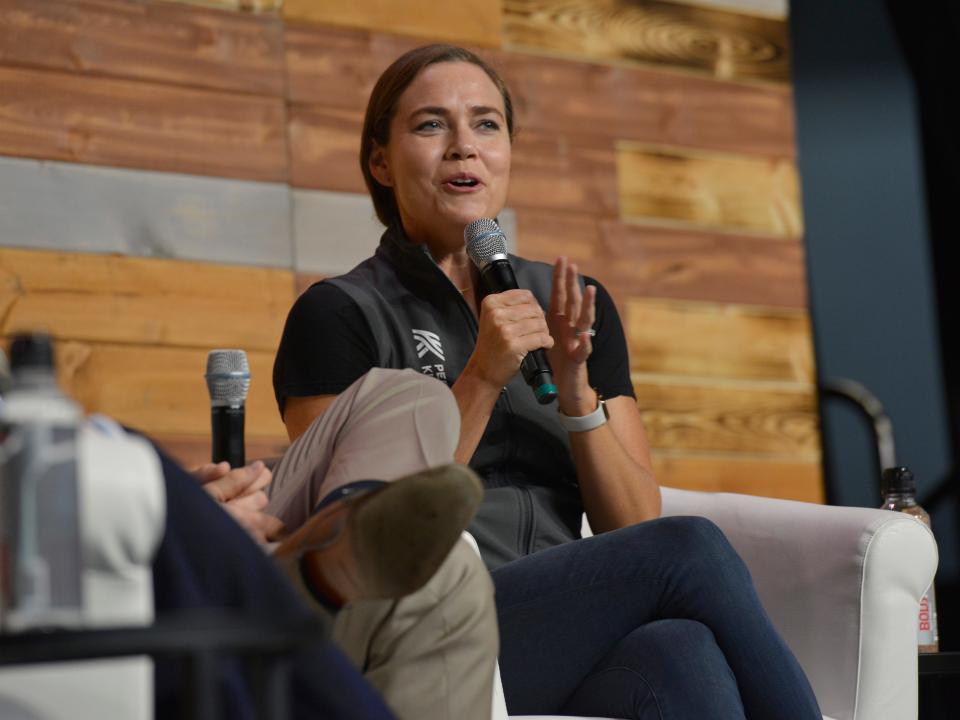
(535, 368)
(227, 426)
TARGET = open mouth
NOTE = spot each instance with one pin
(462, 182)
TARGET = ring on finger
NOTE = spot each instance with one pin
(589, 331)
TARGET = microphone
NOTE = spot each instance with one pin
(228, 382)
(487, 248)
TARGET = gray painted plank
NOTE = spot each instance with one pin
(64, 206)
(48, 205)
(333, 231)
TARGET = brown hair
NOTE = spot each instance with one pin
(383, 105)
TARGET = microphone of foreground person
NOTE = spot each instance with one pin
(228, 382)
(487, 248)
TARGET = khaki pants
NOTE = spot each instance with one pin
(431, 654)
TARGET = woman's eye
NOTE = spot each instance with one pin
(429, 125)
(489, 124)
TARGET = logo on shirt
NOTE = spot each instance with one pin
(428, 342)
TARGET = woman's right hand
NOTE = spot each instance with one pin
(512, 323)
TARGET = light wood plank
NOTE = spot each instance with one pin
(740, 418)
(577, 101)
(712, 190)
(57, 116)
(715, 340)
(161, 389)
(194, 450)
(157, 41)
(66, 206)
(741, 474)
(721, 44)
(466, 21)
(654, 261)
(144, 301)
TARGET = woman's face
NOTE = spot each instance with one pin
(448, 159)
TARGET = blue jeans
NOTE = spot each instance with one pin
(658, 621)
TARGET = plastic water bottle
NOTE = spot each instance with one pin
(40, 551)
(900, 494)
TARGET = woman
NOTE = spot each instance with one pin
(652, 618)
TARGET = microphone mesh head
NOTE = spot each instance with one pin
(485, 241)
(228, 377)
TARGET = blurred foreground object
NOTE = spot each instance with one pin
(40, 585)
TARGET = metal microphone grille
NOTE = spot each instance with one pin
(485, 241)
(228, 377)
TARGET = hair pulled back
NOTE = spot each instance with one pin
(382, 107)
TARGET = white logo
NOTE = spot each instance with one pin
(428, 342)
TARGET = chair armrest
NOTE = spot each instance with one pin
(842, 585)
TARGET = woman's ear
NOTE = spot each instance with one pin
(379, 167)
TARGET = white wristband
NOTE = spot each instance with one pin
(586, 422)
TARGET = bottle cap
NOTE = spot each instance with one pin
(31, 350)
(899, 480)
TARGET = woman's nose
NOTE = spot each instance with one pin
(461, 146)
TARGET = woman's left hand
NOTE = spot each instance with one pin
(571, 317)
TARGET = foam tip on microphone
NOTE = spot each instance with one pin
(228, 377)
(485, 242)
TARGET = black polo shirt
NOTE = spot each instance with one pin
(399, 310)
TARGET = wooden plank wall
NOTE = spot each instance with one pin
(655, 148)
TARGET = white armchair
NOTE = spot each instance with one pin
(842, 586)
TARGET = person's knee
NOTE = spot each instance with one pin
(464, 583)
(696, 537)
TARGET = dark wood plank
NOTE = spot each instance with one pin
(337, 67)
(757, 418)
(324, 148)
(58, 116)
(547, 172)
(562, 98)
(717, 43)
(156, 41)
(649, 261)
(464, 21)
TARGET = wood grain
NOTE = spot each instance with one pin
(324, 148)
(156, 41)
(161, 389)
(194, 450)
(575, 101)
(654, 261)
(547, 172)
(740, 474)
(56, 116)
(716, 340)
(718, 191)
(141, 301)
(725, 45)
(733, 417)
(466, 21)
